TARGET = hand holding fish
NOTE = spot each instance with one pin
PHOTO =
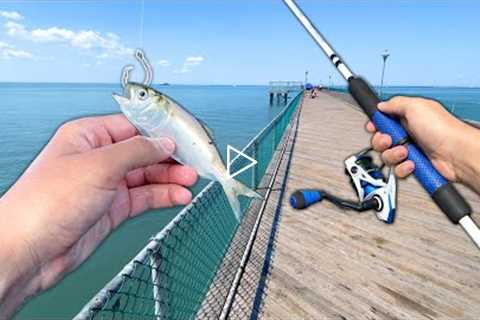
(157, 115)
(93, 174)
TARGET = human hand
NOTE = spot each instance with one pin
(445, 139)
(93, 174)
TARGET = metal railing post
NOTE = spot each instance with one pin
(274, 145)
(155, 282)
(254, 168)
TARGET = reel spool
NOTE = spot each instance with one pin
(374, 191)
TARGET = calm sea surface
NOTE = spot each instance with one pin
(463, 102)
(30, 113)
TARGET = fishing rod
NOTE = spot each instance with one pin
(443, 193)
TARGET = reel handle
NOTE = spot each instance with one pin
(304, 198)
(443, 193)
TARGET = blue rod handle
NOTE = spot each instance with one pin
(425, 172)
(442, 192)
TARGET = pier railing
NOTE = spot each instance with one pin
(171, 276)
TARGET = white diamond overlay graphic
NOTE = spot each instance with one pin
(230, 162)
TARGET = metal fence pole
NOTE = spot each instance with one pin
(274, 145)
(254, 168)
(155, 283)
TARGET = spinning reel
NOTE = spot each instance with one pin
(374, 191)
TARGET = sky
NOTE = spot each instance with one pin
(238, 41)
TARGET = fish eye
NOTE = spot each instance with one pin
(142, 94)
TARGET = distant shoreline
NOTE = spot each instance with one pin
(118, 83)
(222, 85)
(414, 86)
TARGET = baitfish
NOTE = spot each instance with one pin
(156, 115)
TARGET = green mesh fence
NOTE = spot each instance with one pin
(171, 277)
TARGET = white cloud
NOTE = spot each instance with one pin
(105, 45)
(190, 62)
(53, 34)
(11, 15)
(194, 60)
(163, 63)
(15, 29)
(8, 52)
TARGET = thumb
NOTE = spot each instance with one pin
(397, 106)
(133, 153)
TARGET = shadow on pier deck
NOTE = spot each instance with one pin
(325, 263)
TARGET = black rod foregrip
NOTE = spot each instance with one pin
(445, 195)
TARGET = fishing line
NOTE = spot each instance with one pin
(142, 16)
(139, 55)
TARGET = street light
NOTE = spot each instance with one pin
(385, 56)
(306, 77)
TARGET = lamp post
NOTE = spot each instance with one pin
(306, 76)
(330, 82)
(385, 56)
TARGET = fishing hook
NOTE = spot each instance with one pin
(147, 68)
(125, 75)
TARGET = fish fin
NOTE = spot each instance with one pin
(233, 189)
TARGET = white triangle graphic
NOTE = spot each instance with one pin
(230, 161)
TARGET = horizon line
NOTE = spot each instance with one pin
(232, 84)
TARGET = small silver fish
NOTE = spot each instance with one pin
(156, 115)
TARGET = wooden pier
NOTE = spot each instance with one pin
(328, 263)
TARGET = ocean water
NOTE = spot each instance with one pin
(463, 102)
(30, 113)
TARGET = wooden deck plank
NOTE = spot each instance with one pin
(331, 263)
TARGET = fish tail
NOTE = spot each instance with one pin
(233, 189)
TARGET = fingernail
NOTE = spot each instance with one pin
(381, 105)
(386, 141)
(183, 196)
(410, 167)
(190, 175)
(166, 144)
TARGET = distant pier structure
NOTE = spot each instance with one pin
(281, 89)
